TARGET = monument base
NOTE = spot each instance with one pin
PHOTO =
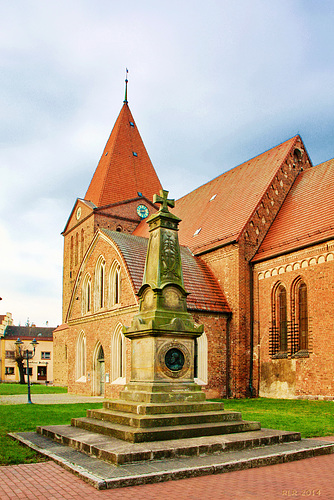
(162, 411)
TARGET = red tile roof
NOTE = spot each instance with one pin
(307, 214)
(220, 209)
(204, 291)
(125, 167)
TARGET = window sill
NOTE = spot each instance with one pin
(280, 355)
(82, 379)
(119, 381)
(301, 354)
(199, 381)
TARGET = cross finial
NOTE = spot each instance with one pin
(162, 200)
(126, 86)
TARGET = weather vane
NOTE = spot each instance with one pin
(126, 86)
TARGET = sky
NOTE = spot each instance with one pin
(212, 83)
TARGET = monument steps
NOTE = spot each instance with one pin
(118, 452)
(138, 435)
(142, 421)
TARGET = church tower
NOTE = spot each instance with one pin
(119, 196)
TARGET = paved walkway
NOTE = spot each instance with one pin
(49, 399)
(310, 478)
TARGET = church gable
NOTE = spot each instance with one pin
(81, 210)
(205, 293)
(241, 203)
(307, 215)
(102, 285)
(125, 215)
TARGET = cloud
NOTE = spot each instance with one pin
(211, 84)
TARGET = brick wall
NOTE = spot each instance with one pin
(297, 377)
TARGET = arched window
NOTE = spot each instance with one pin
(118, 360)
(71, 252)
(278, 344)
(300, 321)
(86, 294)
(82, 245)
(201, 359)
(80, 359)
(76, 248)
(115, 283)
(99, 283)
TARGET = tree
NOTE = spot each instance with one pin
(19, 358)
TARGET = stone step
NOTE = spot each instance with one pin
(162, 397)
(159, 408)
(162, 386)
(144, 421)
(117, 452)
(103, 475)
(162, 392)
(139, 435)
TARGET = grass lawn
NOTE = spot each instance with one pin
(310, 418)
(17, 418)
(12, 389)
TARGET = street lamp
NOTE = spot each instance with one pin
(19, 344)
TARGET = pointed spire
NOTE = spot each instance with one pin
(126, 86)
(125, 168)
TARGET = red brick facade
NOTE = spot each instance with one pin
(312, 374)
(235, 235)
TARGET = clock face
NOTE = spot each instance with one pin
(78, 213)
(142, 211)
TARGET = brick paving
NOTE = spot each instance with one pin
(310, 478)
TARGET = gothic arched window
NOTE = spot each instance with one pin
(99, 283)
(118, 360)
(82, 244)
(278, 344)
(201, 360)
(86, 294)
(299, 308)
(76, 249)
(80, 358)
(115, 284)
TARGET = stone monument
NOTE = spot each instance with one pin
(162, 401)
(162, 413)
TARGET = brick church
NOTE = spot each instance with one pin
(258, 264)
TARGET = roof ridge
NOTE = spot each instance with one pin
(239, 166)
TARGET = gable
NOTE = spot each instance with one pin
(217, 212)
(104, 248)
(81, 210)
(306, 217)
(204, 291)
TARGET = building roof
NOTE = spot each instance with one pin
(219, 210)
(306, 216)
(125, 168)
(29, 332)
(204, 291)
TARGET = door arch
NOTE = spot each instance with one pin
(99, 371)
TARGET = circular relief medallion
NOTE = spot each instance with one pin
(174, 359)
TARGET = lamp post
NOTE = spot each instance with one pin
(19, 344)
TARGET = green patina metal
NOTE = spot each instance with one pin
(162, 296)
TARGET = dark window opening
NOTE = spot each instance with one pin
(42, 373)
